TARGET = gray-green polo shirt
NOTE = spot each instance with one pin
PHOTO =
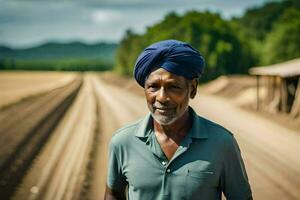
(207, 163)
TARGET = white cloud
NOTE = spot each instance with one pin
(106, 16)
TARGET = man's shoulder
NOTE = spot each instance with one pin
(214, 129)
(126, 133)
(218, 135)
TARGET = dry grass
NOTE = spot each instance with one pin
(17, 86)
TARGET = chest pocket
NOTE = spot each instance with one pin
(200, 184)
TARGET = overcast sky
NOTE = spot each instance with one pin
(26, 23)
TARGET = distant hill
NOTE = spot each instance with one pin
(59, 51)
(75, 56)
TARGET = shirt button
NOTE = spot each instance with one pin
(168, 170)
(163, 162)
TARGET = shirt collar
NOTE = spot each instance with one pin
(197, 131)
(145, 126)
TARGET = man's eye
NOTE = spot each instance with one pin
(152, 86)
(175, 87)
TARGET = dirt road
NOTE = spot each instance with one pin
(59, 170)
(25, 128)
(75, 157)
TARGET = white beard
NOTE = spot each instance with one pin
(165, 120)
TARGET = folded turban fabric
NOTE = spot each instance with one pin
(174, 56)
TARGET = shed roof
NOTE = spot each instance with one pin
(285, 69)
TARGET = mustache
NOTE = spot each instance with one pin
(163, 106)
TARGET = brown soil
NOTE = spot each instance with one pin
(21, 85)
(25, 127)
(270, 150)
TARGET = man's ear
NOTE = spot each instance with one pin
(194, 85)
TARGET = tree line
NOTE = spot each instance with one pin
(263, 35)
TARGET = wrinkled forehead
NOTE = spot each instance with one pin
(160, 73)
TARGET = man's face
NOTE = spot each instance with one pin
(168, 95)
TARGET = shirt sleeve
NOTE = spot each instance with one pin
(115, 177)
(234, 179)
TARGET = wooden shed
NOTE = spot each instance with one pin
(282, 85)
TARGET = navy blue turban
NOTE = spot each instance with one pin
(174, 56)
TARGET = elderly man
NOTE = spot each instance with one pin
(173, 153)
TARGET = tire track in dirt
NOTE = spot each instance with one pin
(60, 169)
(24, 138)
(27, 115)
(117, 107)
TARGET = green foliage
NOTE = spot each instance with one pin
(258, 21)
(283, 42)
(127, 53)
(207, 32)
(263, 35)
(271, 31)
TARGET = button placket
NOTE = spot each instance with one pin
(165, 181)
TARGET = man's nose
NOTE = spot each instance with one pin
(162, 96)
